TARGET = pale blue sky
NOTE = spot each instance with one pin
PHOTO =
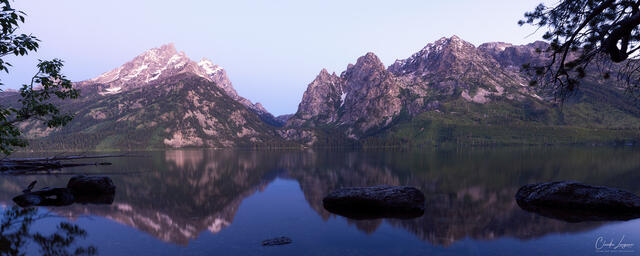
(270, 49)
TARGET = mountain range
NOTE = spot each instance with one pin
(453, 92)
(449, 92)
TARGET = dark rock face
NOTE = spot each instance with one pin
(376, 202)
(575, 202)
(277, 241)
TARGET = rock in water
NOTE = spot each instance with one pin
(575, 202)
(92, 189)
(376, 202)
(276, 241)
(91, 185)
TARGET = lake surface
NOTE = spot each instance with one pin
(212, 202)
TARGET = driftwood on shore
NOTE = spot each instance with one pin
(25, 165)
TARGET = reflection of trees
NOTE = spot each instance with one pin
(15, 235)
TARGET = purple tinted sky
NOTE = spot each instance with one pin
(270, 49)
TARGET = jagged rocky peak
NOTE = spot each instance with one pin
(147, 67)
(371, 95)
(514, 56)
(366, 93)
(324, 74)
(219, 76)
(455, 42)
(324, 77)
(367, 62)
(494, 48)
(367, 67)
(209, 67)
(163, 62)
(323, 97)
(438, 56)
(446, 56)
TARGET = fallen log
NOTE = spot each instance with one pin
(22, 165)
(57, 158)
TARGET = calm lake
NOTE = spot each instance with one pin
(213, 202)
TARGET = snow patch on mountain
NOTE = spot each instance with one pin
(209, 67)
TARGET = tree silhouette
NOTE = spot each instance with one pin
(47, 83)
(587, 36)
(15, 235)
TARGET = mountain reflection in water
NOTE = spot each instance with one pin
(176, 195)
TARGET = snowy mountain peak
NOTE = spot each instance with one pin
(429, 58)
(442, 44)
(149, 66)
(209, 67)
(163, 62)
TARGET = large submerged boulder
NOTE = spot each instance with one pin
(575, 202)
(91, 185)
(376, 202)
(92, 189)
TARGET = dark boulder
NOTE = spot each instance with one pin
(92, 189)
(575, 202)
(106, 198)
(376, 202)
(91, 185)
(277, 241)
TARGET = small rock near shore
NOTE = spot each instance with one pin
(277, 241)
